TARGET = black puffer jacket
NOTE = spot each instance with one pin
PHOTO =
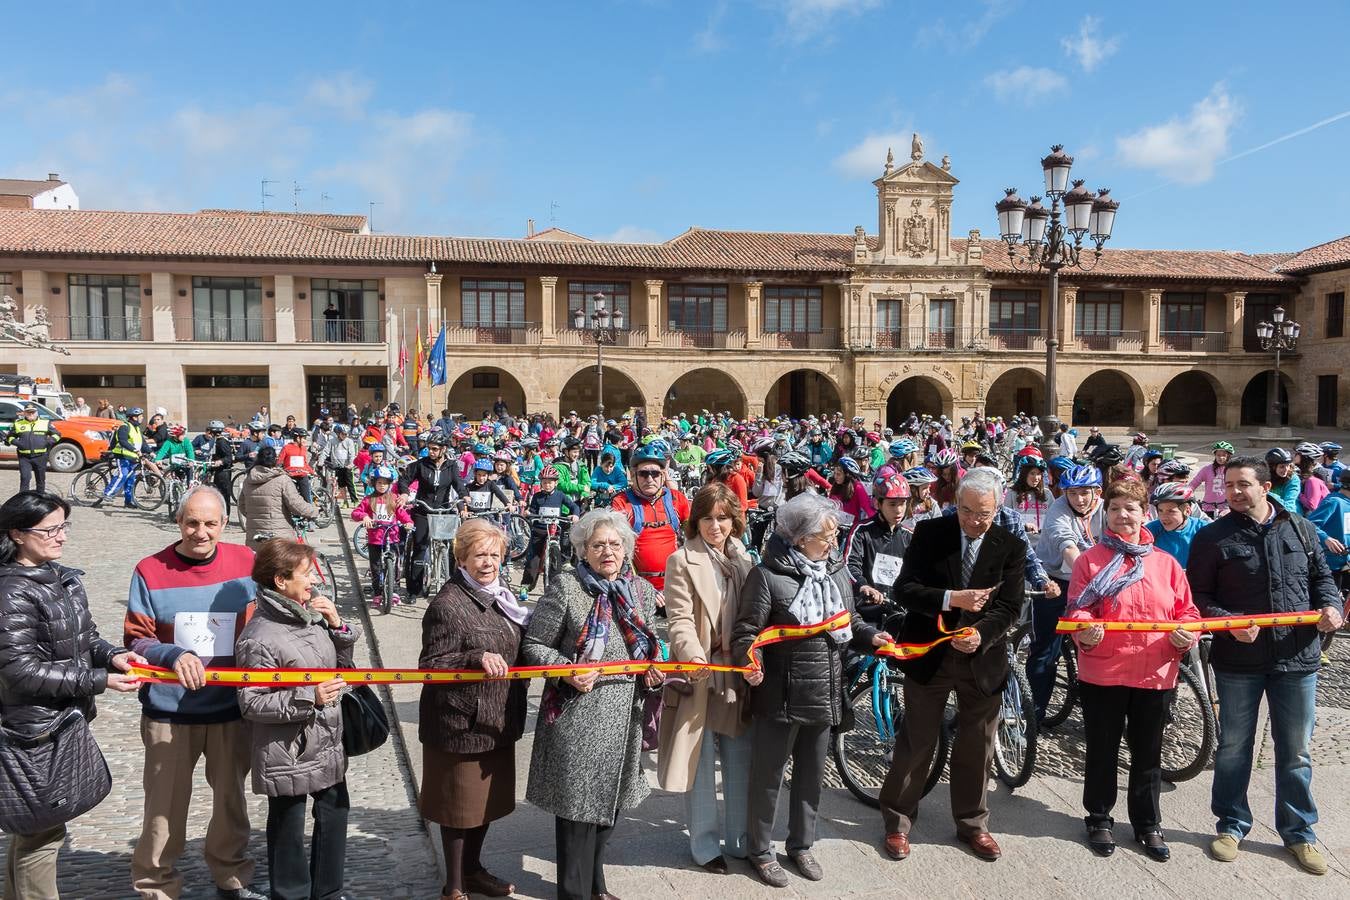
(803, 679)
(1239, 568)
(51, 657)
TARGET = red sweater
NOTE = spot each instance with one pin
(657, 540)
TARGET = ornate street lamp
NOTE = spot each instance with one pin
(1053, 240)
(1281, 335)
(603, 326)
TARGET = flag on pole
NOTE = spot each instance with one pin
(418, 361)
(436, 364)
(402, 356)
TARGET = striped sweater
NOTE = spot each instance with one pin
(176, 606)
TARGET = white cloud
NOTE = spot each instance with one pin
(807, 19)
(344, 93)
(1025, 84)
(1088, 47)
(868, 156)
(709, 39)
(970, 31)
(1185, 148)
(632, 234)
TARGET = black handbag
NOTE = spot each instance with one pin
(365, 727)
(51, 778)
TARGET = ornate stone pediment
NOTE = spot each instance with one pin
(914, 203)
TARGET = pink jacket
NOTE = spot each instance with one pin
(378, 536)
(1143, 659)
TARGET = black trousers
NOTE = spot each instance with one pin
(291, 877)
(771, 744)
(1138, 715)
(581, 858)
(221, 482)
(33, 468)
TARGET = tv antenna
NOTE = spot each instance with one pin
(296, 190)
(323, 201)
(265, 192)
(370, 217)
(553, 212)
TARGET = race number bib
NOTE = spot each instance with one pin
(550, 512)
(480, 499)
(295, 462)
(1216, 486)
(885, 569)
(206, 634)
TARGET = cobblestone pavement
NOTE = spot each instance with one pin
(388, 854)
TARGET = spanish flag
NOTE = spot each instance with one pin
(417, 362)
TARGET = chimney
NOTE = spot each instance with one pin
(52, 176)
(529, 228)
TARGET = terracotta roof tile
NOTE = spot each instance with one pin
(1180, 265)
(335, 221)
(1331, 255)
(26, 187)
(558, 234)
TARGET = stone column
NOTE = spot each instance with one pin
(434, 315)
(1234, 318)
(655, 320)
(1152, 302)
(34, 284)
(165, 383)
(1068, 300)
(286, 388)
(548, 285)
(754, 324)
(284, 288)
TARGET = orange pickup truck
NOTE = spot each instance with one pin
(83, 439)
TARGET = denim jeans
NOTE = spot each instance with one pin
(1043, 654)
(1291, 698)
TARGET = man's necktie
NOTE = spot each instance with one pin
(968, 562)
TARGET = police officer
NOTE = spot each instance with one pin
(32, 437)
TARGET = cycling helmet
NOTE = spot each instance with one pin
(337, 427)
(794, 463)
(1224, 445)
(724, 457)
(903, 447)
(1152, 454)
(891, 487)
(1061, 463)
(849, 465)
(1081, 477)
(764, 445)
(656, 452)
(571, 441)
(1309, 450)
(482, 465)
(1278, 455)
(385, 472)
(135, 411)
(944, 458)
(214, 425)
(1173, 468)
(530, 443)
(548, 473)
(736, 445)
(1140, 438)
(1033, 462)
(1110, 455)
(919, 475)
(177, 431)
(503, 456)
(482, 450)
(1330, 448)
(1172, 491)
(872, 437)
(860, 453)
(1030, 450)
(256, 425)
(971, 445)
(377, 448)
(438, 439)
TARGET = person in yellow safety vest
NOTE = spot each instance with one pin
(126, 450)
(32, 437)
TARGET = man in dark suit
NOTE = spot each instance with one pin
(959, 571)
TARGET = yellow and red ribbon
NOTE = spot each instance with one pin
(914, 651)
(1221, 623)
(272, 678)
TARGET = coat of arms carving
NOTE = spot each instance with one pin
(916, 241)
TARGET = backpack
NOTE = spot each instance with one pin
(637, 504)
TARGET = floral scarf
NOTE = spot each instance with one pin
(1124, 569)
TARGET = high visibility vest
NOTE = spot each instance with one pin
(37, 426)
(133, 438)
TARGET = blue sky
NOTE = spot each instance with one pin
(635, 119)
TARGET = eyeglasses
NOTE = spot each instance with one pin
(612, 546)
(50, 532)
(649, 473)
(827, 537)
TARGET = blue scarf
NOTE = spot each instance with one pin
(1124, 569)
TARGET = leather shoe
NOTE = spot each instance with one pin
(983, 845)
(897, 845)
(771, 873)
(1102, 842)
(1155, 847)
(455, 895)
(717, 865)
(807, 865)
(242, 893)
(489, 885)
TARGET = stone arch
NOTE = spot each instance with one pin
(475, 390)
(715, 390)
(1016, 390)
(799, 393)
(1256, 395)
(920, 394)
(579, 392)
(1190, 398)
(1107, 397)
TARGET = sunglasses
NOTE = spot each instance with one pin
(649, 473)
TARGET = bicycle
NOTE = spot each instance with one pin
(515, 525)
(391, 563)
(302, 528)
(183, 476)
(441, 527)
(90, 486)
(1015, 739)
(552, 559)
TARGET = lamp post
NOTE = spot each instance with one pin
(1279, 334)
(1053, 244)
(603, 325)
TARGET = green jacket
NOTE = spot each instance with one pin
(176, 448)
(690, 456)
(574, 486)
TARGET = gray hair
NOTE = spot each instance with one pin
(195, 491)
(982, 480)
(803, 515)
(596, 519)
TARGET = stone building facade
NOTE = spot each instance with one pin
(214, 314)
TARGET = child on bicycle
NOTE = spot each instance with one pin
(547, 497)
(177, 449)
(384, 516)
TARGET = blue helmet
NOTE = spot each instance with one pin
(1062, 463)
(919, 475)
(481, 449)
(849, 465)
(724, 457)
(653, 451)
(377, 448)
(903, 447)
(1081, 477)
(385, 472)
(1153, 454)
(482, 465)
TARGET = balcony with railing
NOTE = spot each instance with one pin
(212, 328)
(1111, 341)
(824, 339)
(340, 331)
(584, 337)
(1032, 339)
(679, 339)
(1193, 341)
(96, 328)
(472, 335)
(915, 338)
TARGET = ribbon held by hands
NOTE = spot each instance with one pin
(1222, 623)
(275, 678)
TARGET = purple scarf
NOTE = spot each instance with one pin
(1124, 569)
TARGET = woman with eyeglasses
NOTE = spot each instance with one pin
(52, 660)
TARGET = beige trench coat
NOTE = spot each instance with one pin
(694, 614)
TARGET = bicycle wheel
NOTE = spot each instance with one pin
(359, 546)
(553, 562)
(1015, 739)
(88, 486)
(1189, 730)
(437, 569)
(863, 758)
(390, 581)
(327, 574)
(1064, 695)
(237, 484)
(149, 491)
(517, 536)
(323, 501)
(173, 495)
